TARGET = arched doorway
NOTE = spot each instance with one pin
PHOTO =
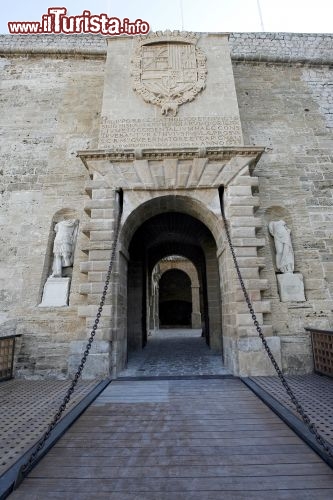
(175, 299)
(164, 234)
(186, 182)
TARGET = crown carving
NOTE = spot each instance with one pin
(168, 36)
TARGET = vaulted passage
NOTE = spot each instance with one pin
(162, 236)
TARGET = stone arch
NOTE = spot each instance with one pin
(170, 203)
(199, 245)
(189, 268)
(177, 182)
(184, 265)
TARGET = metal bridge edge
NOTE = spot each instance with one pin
(288, 417)
(8, 478)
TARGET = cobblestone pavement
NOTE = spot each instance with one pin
(174, 352)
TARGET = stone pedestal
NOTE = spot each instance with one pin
(56, 292)
(291, 287)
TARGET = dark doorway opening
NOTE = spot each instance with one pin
(161, 236)
(175, 300)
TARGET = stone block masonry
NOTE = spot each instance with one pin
(275, 47)
(51, 108)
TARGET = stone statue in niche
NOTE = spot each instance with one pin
(64, 244)
(56, 288)
(290, 284)
(284, 256)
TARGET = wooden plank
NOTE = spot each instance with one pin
(66, 459)
(180, 471)
(179, 450)
(143, 485)
(310, 494)
(196, 434)
(179, 426)
(182, 442)
(196, 443)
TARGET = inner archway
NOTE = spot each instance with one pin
(162, 235)
(175, 299)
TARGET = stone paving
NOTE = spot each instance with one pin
(174, 352)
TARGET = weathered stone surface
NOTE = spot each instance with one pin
(56, 292)
(291, 287)
(129, 121)
(59, 96)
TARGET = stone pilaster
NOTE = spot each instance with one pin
(244, 354)
(99, 230)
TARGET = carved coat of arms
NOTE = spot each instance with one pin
(168, 69)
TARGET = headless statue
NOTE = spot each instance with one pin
(64, 244)
(284, 251)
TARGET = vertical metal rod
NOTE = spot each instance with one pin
(181, 13)
(260, 16)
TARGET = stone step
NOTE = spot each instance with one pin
(246, 180)
(96, 245)
(245, 221)
(106, 203)
(249, 242)
(239, 191)
(99, 265)
(91, 310)
(97, 225)
(245, 262)
(263, 306)
(255, 284)
(251, 331)
(253, 201)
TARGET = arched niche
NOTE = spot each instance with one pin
(61, 215)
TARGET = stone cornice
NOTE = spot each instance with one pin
(291, 48)
(131, 154)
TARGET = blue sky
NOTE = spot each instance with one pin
(308, 16)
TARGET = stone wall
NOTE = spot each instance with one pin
(284, 47)
(50, 109)
(288, 110)
(51, 101)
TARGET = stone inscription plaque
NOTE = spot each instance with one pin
(170, 132)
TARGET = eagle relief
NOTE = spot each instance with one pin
(168, 69)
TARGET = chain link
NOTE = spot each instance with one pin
(27, 466)
(310, 425)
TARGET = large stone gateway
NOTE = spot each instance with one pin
(179, 122)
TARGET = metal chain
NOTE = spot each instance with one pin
(310, 425)
(26, 467)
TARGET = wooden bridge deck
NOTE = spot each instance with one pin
(179, 439)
